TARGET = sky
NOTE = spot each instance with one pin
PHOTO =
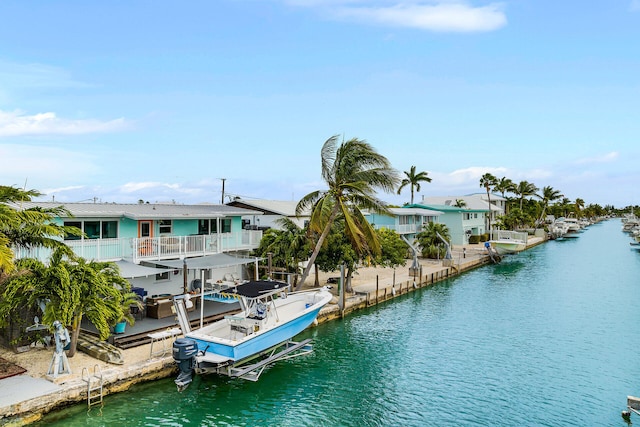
(164, 101)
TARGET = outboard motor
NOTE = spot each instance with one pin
(184, 354)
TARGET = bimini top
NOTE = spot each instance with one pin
(255, 289)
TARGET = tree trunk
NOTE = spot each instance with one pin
(75, 333)
(347, 280)
(316, 250)
(317, 280)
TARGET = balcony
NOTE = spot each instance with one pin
(153, 248)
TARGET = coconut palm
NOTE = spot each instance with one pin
(504, 185)
(578, 205)
(27, 228)
(525, 189)
(429, 240)
(352, 172)
(288, 246)
(548, 195)
(413, 180)
(488, 181)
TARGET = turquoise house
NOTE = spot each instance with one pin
(406, 221)
(155, 244)
(462, 222)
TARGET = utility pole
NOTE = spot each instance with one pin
(223, 180)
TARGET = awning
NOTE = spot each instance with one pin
(129, 270)
(208, 261)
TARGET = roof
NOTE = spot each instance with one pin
(472, 202)
(206, 262)
(415, 211)
(446, 208)
(269, 207)
(144, 210)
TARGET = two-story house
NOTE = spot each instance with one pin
(162, 248)
(406, 221)
(466, 215)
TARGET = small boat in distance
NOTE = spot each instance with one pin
(508, 242)
(270, 317)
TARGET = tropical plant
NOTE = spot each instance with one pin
(288, 245)
(68, 289)
(578, 206)
(460, 203)
(413, 180)
(548, 196)
(504, 185)
(27, 228)
(395, 251)
(525, 189)
(352, 171)
(430, 240)
(488, 181)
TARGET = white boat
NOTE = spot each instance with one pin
(270, 317)
(508, 242)
(570, 225)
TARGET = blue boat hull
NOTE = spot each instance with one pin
(261, 341)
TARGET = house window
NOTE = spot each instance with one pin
(203, 226)
(109, 229)
(94, 229)
(225, 226)
(164, 226)
(403, 220)
(162, 276)
(77, 224)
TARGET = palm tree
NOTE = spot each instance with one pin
(578, 205)
(504, 185)
(525, 189)
(288, 245)
(27, 228)
(69, 288)
(488, 181)
(429, 240)
(549, 195)
(413, 179)
(352, 172)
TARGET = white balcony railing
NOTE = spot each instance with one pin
(402, 229)
(153, 248)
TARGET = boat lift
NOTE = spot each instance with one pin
(252, 372)
(633, 406)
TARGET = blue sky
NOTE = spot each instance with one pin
(160, 100)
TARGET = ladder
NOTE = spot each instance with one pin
(94, 386)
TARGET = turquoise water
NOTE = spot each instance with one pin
(547, 338)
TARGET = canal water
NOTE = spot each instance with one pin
(549, 337)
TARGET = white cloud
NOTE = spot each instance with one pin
(605, 158)
(42, 164)
(442, 16)
(16, 123)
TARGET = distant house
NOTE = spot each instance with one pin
(406, 221)
(461, 222)
(269, 212)
(475, 202)
(154, 244)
